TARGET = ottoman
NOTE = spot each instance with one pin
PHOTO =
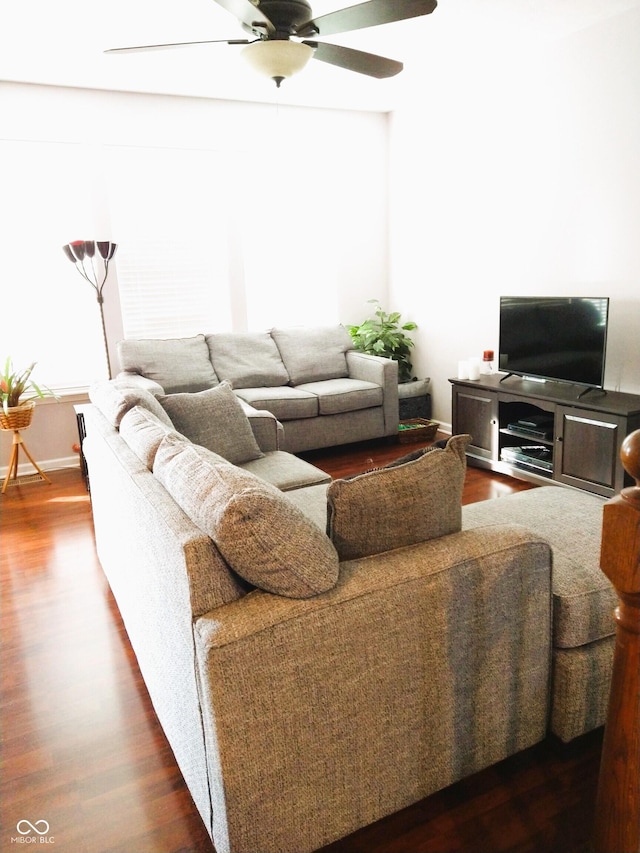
(583, 598)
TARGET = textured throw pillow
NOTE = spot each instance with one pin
(262, 536)
(115, 397)
(400, 505)
(247, 360)
(143, 432)
(313, 354)
(216, 420)
(178, 364)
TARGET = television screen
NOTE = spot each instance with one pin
(552, 337)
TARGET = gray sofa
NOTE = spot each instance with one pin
(311, 379)
(323, 654)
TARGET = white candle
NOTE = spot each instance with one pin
(474, 368)
(463, 370)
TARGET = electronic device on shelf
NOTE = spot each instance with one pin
(557, 338)
(534, 456)
(537, 426)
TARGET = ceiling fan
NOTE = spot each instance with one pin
(273, 24)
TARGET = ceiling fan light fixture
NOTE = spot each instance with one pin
(277, 58)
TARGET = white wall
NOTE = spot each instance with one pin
(518, 172)
(337, 159)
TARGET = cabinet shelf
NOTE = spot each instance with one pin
(529, 467)
(526, 436)
(583, 434)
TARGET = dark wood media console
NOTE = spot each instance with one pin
(546, 431)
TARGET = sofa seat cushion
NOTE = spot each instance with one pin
(344, 395)
(247, 360)
(313, 354)
(263, 537)
(312, 501)
(400, 505)
(178, 364)
(216, 420)
(115, 397)
(571, 521)
(143, 432)
(285, 403)
(285, 471)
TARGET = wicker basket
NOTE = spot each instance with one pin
(17, 417)
(417, 429)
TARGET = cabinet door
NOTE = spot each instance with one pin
(588, 450)
(476, 412)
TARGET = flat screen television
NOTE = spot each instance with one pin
(559, 338)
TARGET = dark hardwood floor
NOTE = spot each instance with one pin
(83, 752)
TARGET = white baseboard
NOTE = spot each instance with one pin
(26, 468)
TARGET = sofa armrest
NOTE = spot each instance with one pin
(267, 429)
(137, 380)
(423, 665)
(384, 372)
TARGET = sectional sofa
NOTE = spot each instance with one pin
(312, 380)
(321, 654)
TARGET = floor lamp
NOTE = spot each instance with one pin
(82, 253)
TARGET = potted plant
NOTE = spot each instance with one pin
(383, 335)
(19, 392)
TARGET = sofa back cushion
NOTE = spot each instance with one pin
(261, 535)
(313, 354)
(143, 432)
(216, 420)
(247, 360)
(178, 364)
(114, 398)
(399, 505)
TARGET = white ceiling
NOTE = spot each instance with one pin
(61, 42)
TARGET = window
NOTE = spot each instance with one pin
(169, 216)
(49, 314)
(227, 217)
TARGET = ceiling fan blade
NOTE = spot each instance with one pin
(356, 60)
(177, 44)
(369, 14)
(249, 15)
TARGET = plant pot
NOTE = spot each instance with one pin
(17, 417)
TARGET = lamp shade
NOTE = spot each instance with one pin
(107, 249)
(278, 58)
(77, 248)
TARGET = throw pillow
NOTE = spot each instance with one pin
(262, 536)
(178, 364)
(216, 420)
(399, 505)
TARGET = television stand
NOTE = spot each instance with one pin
(585, 391)
(583, 437)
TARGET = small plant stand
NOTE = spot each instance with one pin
(18, 442)
(17, 419)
